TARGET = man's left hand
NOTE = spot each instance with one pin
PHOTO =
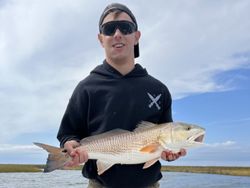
(170, 156)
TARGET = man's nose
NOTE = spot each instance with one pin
(118, 33)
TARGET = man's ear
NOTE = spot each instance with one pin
(100, 38)
(137, 36)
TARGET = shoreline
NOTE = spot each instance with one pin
(220, 170)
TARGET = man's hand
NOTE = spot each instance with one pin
(78, 154)
(170, 156)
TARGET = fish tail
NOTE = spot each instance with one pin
(56, 159)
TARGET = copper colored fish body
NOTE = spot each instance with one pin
(143, 145)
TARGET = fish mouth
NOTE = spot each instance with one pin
(198, 138)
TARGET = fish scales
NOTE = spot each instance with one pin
(125, 146)
(123, 142)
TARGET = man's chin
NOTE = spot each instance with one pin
(118, 58)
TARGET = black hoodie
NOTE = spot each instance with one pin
(106, 100)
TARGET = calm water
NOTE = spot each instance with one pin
(74, 179)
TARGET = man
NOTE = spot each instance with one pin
(116, 94)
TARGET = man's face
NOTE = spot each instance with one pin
(119, 46)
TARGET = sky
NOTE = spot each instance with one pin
(199, 49)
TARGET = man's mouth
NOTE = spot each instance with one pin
(118, 45)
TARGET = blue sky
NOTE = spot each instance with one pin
(199, 49)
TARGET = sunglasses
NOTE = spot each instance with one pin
(125, 27)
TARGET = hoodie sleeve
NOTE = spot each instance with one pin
(74, 121)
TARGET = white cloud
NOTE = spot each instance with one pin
(22, 154)
(41, 60)
(228, 143)
(17, 148)
(193, 42)
(228, 153)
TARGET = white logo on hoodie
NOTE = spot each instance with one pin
(154, 101)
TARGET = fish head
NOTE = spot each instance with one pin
(183, 132)
(182, 135)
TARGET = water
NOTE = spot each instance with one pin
(74, 179)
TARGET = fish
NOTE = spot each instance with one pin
(142, 145)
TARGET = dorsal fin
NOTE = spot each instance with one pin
(144, 125)
(111, 133)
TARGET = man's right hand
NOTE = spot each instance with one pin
(78, 154)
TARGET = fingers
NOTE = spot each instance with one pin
(70, 145)
(165, 154)
(83, 155)
(170, 156)
(182, 152)
(79, 156)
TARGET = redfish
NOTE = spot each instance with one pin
(142, 145)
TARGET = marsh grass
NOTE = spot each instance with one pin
(28, 168)
(20, 168)
(234, 171)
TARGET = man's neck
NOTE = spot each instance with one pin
(124, 67)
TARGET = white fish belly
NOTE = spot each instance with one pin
(125, 157)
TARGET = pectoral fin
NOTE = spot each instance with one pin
(150, 163)
(151, 148)
(102, 166)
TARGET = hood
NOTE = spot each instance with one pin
(107, 70)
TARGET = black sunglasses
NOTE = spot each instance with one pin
(125, 27)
